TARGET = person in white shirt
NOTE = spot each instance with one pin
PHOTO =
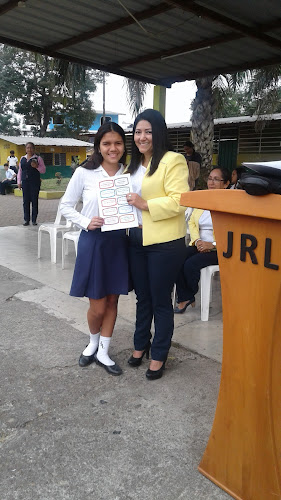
(10, 179)
(202, 250)
(102, 269)
(13, 161)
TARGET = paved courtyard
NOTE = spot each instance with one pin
(72, 434)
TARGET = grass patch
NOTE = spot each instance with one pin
(51, 184)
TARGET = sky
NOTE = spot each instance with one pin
(178, 100)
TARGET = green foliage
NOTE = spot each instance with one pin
(9, 125)
(247, 93)
(40, 87)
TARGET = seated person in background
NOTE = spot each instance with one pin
(235, 176)
(13, 162)
(11, 178)
(194, 161)
(201, 251)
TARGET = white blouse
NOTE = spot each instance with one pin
(83, 185)
(206, 226)
(136, 179)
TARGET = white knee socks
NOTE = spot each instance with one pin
(102, 353)
(93, 345)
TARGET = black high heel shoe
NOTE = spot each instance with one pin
(181, 311)
(134, 362)
(155, 374)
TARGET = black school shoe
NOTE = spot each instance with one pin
(86, 360)
(112, 370)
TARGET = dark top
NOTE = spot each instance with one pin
(28, 172)
(194, 157)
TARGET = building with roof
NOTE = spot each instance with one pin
(236, 139)
(110, 116)
(57, 153)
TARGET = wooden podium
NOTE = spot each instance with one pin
(243, 455)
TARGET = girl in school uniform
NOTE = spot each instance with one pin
(101, 269)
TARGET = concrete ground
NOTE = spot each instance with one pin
(72, 433)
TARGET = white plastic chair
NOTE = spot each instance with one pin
(53, 228)
(70, 235)
(206, 290)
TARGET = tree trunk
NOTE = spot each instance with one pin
(202, 131)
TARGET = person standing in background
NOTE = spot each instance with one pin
(194, 161)
(30, 167)
(13, 162)
(190, 154)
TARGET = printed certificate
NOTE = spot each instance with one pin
(113, 205)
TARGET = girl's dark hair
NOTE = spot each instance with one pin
(160, 140)
(226, 174)
(96, 159)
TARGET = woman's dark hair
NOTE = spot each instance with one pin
(226, 174)
(96, 159)
(239, 170)
(160, 140)
(31, 143)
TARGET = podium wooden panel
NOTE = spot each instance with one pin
(243, 455)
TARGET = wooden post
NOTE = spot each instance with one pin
(243, 455)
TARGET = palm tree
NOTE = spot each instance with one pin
(262, 87)
(135, 95)
(202, 131)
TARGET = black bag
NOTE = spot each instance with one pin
(259, 185)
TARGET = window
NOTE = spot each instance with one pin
(47, 157)
(106, 119)
(60, 159)
(58, 120)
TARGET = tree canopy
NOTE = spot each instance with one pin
(40, 88)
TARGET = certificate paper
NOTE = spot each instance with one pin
(113, 205)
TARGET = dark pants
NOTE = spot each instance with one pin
(154, 269)
(30, 192)
(6, 183)
(188, 279)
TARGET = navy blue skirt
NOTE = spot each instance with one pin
(102, 266)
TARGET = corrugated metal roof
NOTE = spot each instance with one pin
(44, 141)
(230, 119)
(155, 41)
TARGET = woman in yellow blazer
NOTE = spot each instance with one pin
(202, 250)
(157, 246)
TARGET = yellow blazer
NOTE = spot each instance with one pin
(193, 225)
(165, 221)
